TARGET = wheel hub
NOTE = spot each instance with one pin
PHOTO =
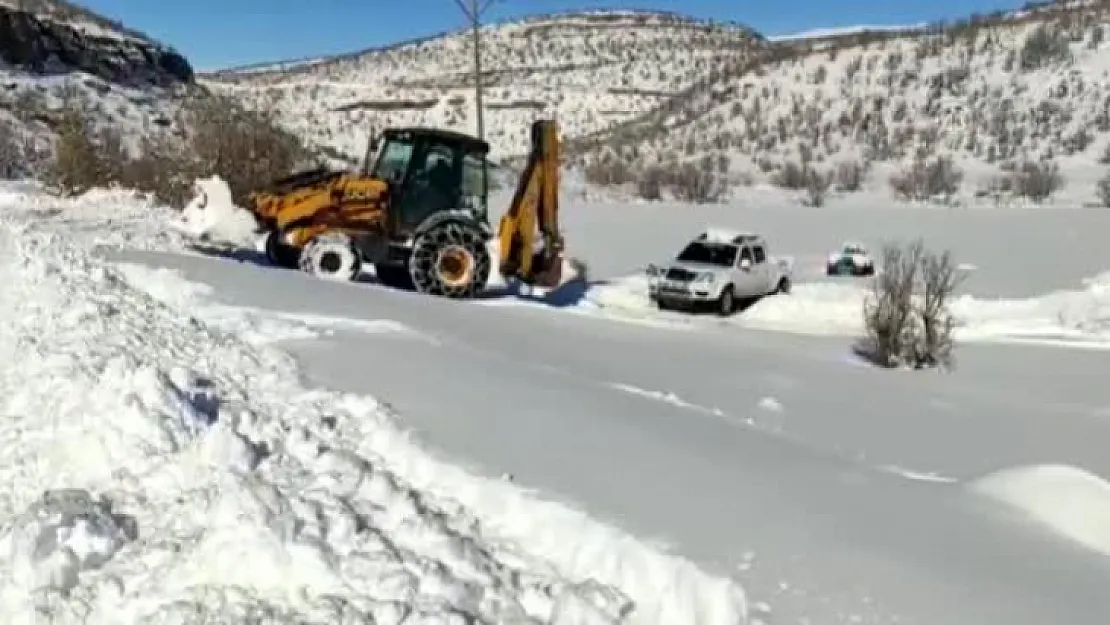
(455, 266)
(330, 262)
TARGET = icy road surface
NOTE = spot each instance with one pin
(831, 490)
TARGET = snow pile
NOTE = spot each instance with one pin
(1080, 317)
(188, 477)
(212, 215)
(1070, 501)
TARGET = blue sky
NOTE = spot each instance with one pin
(221, 33)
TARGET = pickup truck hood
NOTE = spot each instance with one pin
(698, 268)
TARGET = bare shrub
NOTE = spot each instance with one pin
(247, 148)
(817, 187)
(1103, 190)
(163, 169)
(791, 176)
(690, 183)
(84, 157)
(928, 178)
(1036, 181)
(1046, 45)
(608, 170)
(907, 322)
(11, 156)
(850, 176)
(649, 185)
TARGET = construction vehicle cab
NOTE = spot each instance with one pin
(417, 209)
(429, 171)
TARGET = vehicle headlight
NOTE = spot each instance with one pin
(706, 278)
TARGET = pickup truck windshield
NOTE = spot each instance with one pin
(721, 254)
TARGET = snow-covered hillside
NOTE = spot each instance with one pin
(54, 54)
(590, 70)
(992, 93)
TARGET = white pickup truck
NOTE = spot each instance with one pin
(718, 268)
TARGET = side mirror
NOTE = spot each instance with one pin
(745, 264)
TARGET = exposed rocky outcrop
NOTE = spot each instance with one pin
(43, 45)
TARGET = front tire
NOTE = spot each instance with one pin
(726, 303)
(450, 260)
(278, 253)
(331, 256)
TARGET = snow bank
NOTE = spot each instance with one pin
(1079, 317)
(1067, 500)
(188, 477)
(212, 215)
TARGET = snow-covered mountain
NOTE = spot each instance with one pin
(591, 70)
(1027, 92)
(54, 54)
(1022, 91)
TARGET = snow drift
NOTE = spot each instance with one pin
(1067, 500)
(159, 469)
(213, 215)
(1077, 317)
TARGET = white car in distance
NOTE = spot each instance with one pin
(852, 259)
(718, 268)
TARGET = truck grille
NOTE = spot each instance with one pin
(680, 275)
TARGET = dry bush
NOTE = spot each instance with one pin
(850, 176)
(84, 157)
(817, 187)
(791, 176)
(1036, 181)
(1103, 191)
(928, 178)
(1046, 45)
(699, 185)
(247, 148)
(11, 156)
(163, 169)
(608, 170)
(649, 185)
(906, 317)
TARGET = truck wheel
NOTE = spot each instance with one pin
(278, 253)
(332, 256)
(450, 260)
(726, 303)
(783, 287)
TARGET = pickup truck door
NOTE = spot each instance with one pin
(747, 274)
(761, 270)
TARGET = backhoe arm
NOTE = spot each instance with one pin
(531, 245)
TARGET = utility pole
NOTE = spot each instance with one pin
(474, 10)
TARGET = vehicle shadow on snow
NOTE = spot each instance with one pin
(245, 255)
(566, 295)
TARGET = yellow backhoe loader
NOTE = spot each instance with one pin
(417, 210)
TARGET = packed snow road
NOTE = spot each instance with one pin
(832, 491)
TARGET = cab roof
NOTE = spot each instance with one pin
(470, 143)
(725, 236)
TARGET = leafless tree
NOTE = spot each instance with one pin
(906, 316)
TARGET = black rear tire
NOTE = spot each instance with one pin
(280, 254)
(450, 260)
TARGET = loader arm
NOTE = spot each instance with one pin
(533, 216)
